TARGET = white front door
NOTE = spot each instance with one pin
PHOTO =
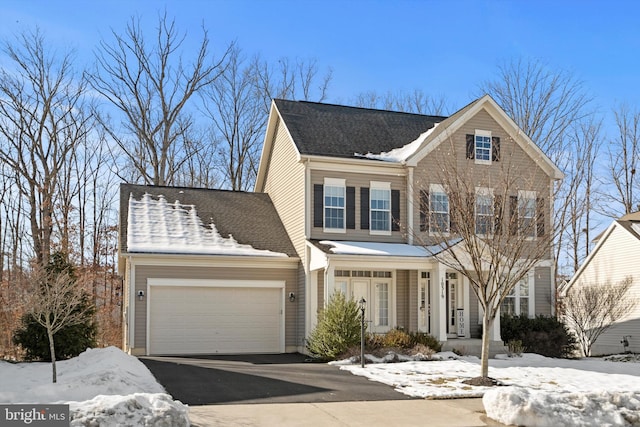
(424, 302)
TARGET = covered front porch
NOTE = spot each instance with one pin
(404, 288)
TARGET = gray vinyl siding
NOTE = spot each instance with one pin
(512, 156)
(144, 272)
(285, 184)
(360, 180)
(402, 299)
(542, 279)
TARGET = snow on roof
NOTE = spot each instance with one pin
(387, 249)
(154, 225)
(403, 153)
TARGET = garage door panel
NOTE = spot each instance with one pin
(200, 320)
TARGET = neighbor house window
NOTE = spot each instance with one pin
(527, 212)
(334, 204)
(483, 146)
(380, 207)
(519, 302)
(484, 211)
(438, 209)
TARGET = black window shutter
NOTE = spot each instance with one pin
(424, 210)
(540, 217)
(318, 205)
(351, 208)
(471, 146)
(497, 214)
(513, 215)
(364, 208)
(395, 210)
(495, 149)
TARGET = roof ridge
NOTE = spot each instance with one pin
(378, 110)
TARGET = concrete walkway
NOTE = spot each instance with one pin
(433, 413)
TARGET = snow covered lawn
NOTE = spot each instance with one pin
(105, 387)
(538, 391)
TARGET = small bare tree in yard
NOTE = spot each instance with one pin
(57, 302)
(489, 225)
(593, 309)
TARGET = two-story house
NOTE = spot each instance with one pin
(358, 196)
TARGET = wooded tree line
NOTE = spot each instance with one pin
(150, 110)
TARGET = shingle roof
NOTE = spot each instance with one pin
(250, 218)
(341, 131)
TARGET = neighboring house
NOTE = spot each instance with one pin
(355, 195)
(614, 258)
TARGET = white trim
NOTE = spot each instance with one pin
(213, 261)
(410, 209)
(355, 165)
(216, 283)
(132, 304)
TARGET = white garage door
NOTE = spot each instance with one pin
(209, 320)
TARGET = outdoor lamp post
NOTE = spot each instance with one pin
(362, 303)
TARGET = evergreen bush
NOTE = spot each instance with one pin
(542, 335)
(338, 328)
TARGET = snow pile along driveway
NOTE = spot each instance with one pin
(538, 391)
(105, 387)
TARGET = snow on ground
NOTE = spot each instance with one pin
(537, 391)
(105, 387)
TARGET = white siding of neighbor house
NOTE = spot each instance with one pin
(616, 258)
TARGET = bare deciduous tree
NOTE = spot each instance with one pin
(411, 102)
(238, 118)
(592, 309)
(42, 118)
(550, 106)
(491, 234)
(623, 161)
(56, 303)
(151, 86)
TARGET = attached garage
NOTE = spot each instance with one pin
(215, 317)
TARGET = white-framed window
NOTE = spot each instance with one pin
(334, 205)
(482, 146)
(520, 302)
(527, 213)
(380, 207)
(440, 220)
(484, 211)
(381, 303)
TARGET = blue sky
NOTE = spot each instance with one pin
(445, 48)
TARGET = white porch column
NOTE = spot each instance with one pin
(439, 329)
(495, 330)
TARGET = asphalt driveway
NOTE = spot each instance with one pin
(280, 378)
